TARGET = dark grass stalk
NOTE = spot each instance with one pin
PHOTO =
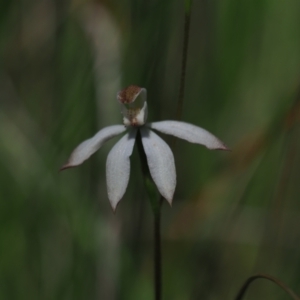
(186, 35)
(185, 45)
(245, 286)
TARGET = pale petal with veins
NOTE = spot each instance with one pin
(161, 163)
(118, 168)
(190, 133)
(84, 150)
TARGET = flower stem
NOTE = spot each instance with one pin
(155, 202)
(157, 256)
(186, 34)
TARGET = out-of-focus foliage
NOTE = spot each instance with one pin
(234, 214)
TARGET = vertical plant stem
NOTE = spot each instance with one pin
(157, 256)
(186, 34)
(155, 205)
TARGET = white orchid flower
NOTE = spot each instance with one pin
(159, 155)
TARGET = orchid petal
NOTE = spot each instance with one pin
(161, 163)
(118, 168)
(84, 150)
(189, 132)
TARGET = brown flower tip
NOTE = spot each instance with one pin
(64, 167)
(224, 147)
(129, 94)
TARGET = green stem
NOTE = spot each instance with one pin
(157, 256)
(188, 5)
(155, 205)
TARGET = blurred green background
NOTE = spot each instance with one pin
(234, 214)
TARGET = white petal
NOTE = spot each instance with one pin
(161, 163)
(118, 167)
(189, 132)
(84, 150)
